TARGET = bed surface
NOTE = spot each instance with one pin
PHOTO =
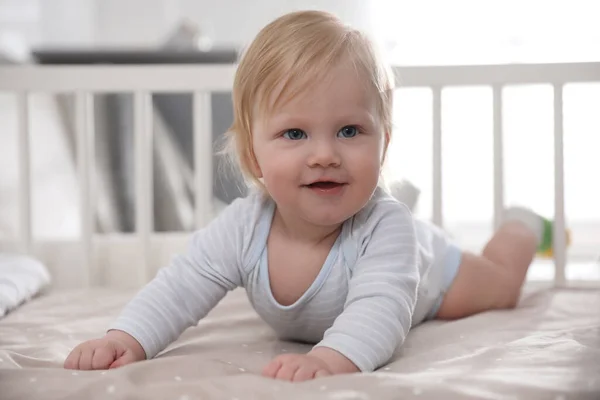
(548, 348)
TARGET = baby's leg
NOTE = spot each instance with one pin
(493, 279)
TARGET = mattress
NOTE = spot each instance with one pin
(548, 348)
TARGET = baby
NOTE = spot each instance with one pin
(326, 255)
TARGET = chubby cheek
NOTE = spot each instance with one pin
(370, 174)
(279, 173)
(274, 179)
(366, 166)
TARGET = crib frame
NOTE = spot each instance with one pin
(106, 259)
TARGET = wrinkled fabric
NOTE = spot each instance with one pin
(548, 348)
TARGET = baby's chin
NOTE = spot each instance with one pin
(326, 218)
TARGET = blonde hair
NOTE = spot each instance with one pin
(288, 55)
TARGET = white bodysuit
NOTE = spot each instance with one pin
(384, 274)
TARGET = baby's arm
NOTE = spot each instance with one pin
(382, 294)
(177, 298)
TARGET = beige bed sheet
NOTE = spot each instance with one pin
(549, 348)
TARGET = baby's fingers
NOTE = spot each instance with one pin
(304, 373)
(103, 357)
(85, 361)
(287, 371)
(272, 368)
(123, 359)
(72, 361)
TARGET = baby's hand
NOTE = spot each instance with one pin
(296, 368)
(114, 350)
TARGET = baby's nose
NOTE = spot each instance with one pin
(324, 154)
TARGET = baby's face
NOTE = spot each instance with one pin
(320, 153)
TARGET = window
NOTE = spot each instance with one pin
(472, 32)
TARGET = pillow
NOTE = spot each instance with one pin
(21, 278)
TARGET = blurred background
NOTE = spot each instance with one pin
(425, 32)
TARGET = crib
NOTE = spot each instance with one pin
(114, 265)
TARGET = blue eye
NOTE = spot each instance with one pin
(348, 132)
(294, 134)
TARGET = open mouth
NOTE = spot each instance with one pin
(325, 185)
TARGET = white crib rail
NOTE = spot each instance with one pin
(437, 211)
(559, 233)
(498, 156)
(203, 157)
(24, 171)
(143, 175)
(85, 158)
(202, 80)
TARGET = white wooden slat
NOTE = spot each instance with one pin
(437, 214)
(203, 158)
(501, 74)
(183, 78)
(84, 116)
(498, 157)
(559, 234)
(143, 149)
(117, 78)
(25, 227)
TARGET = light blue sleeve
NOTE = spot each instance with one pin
(185, 291)
(382, 289)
